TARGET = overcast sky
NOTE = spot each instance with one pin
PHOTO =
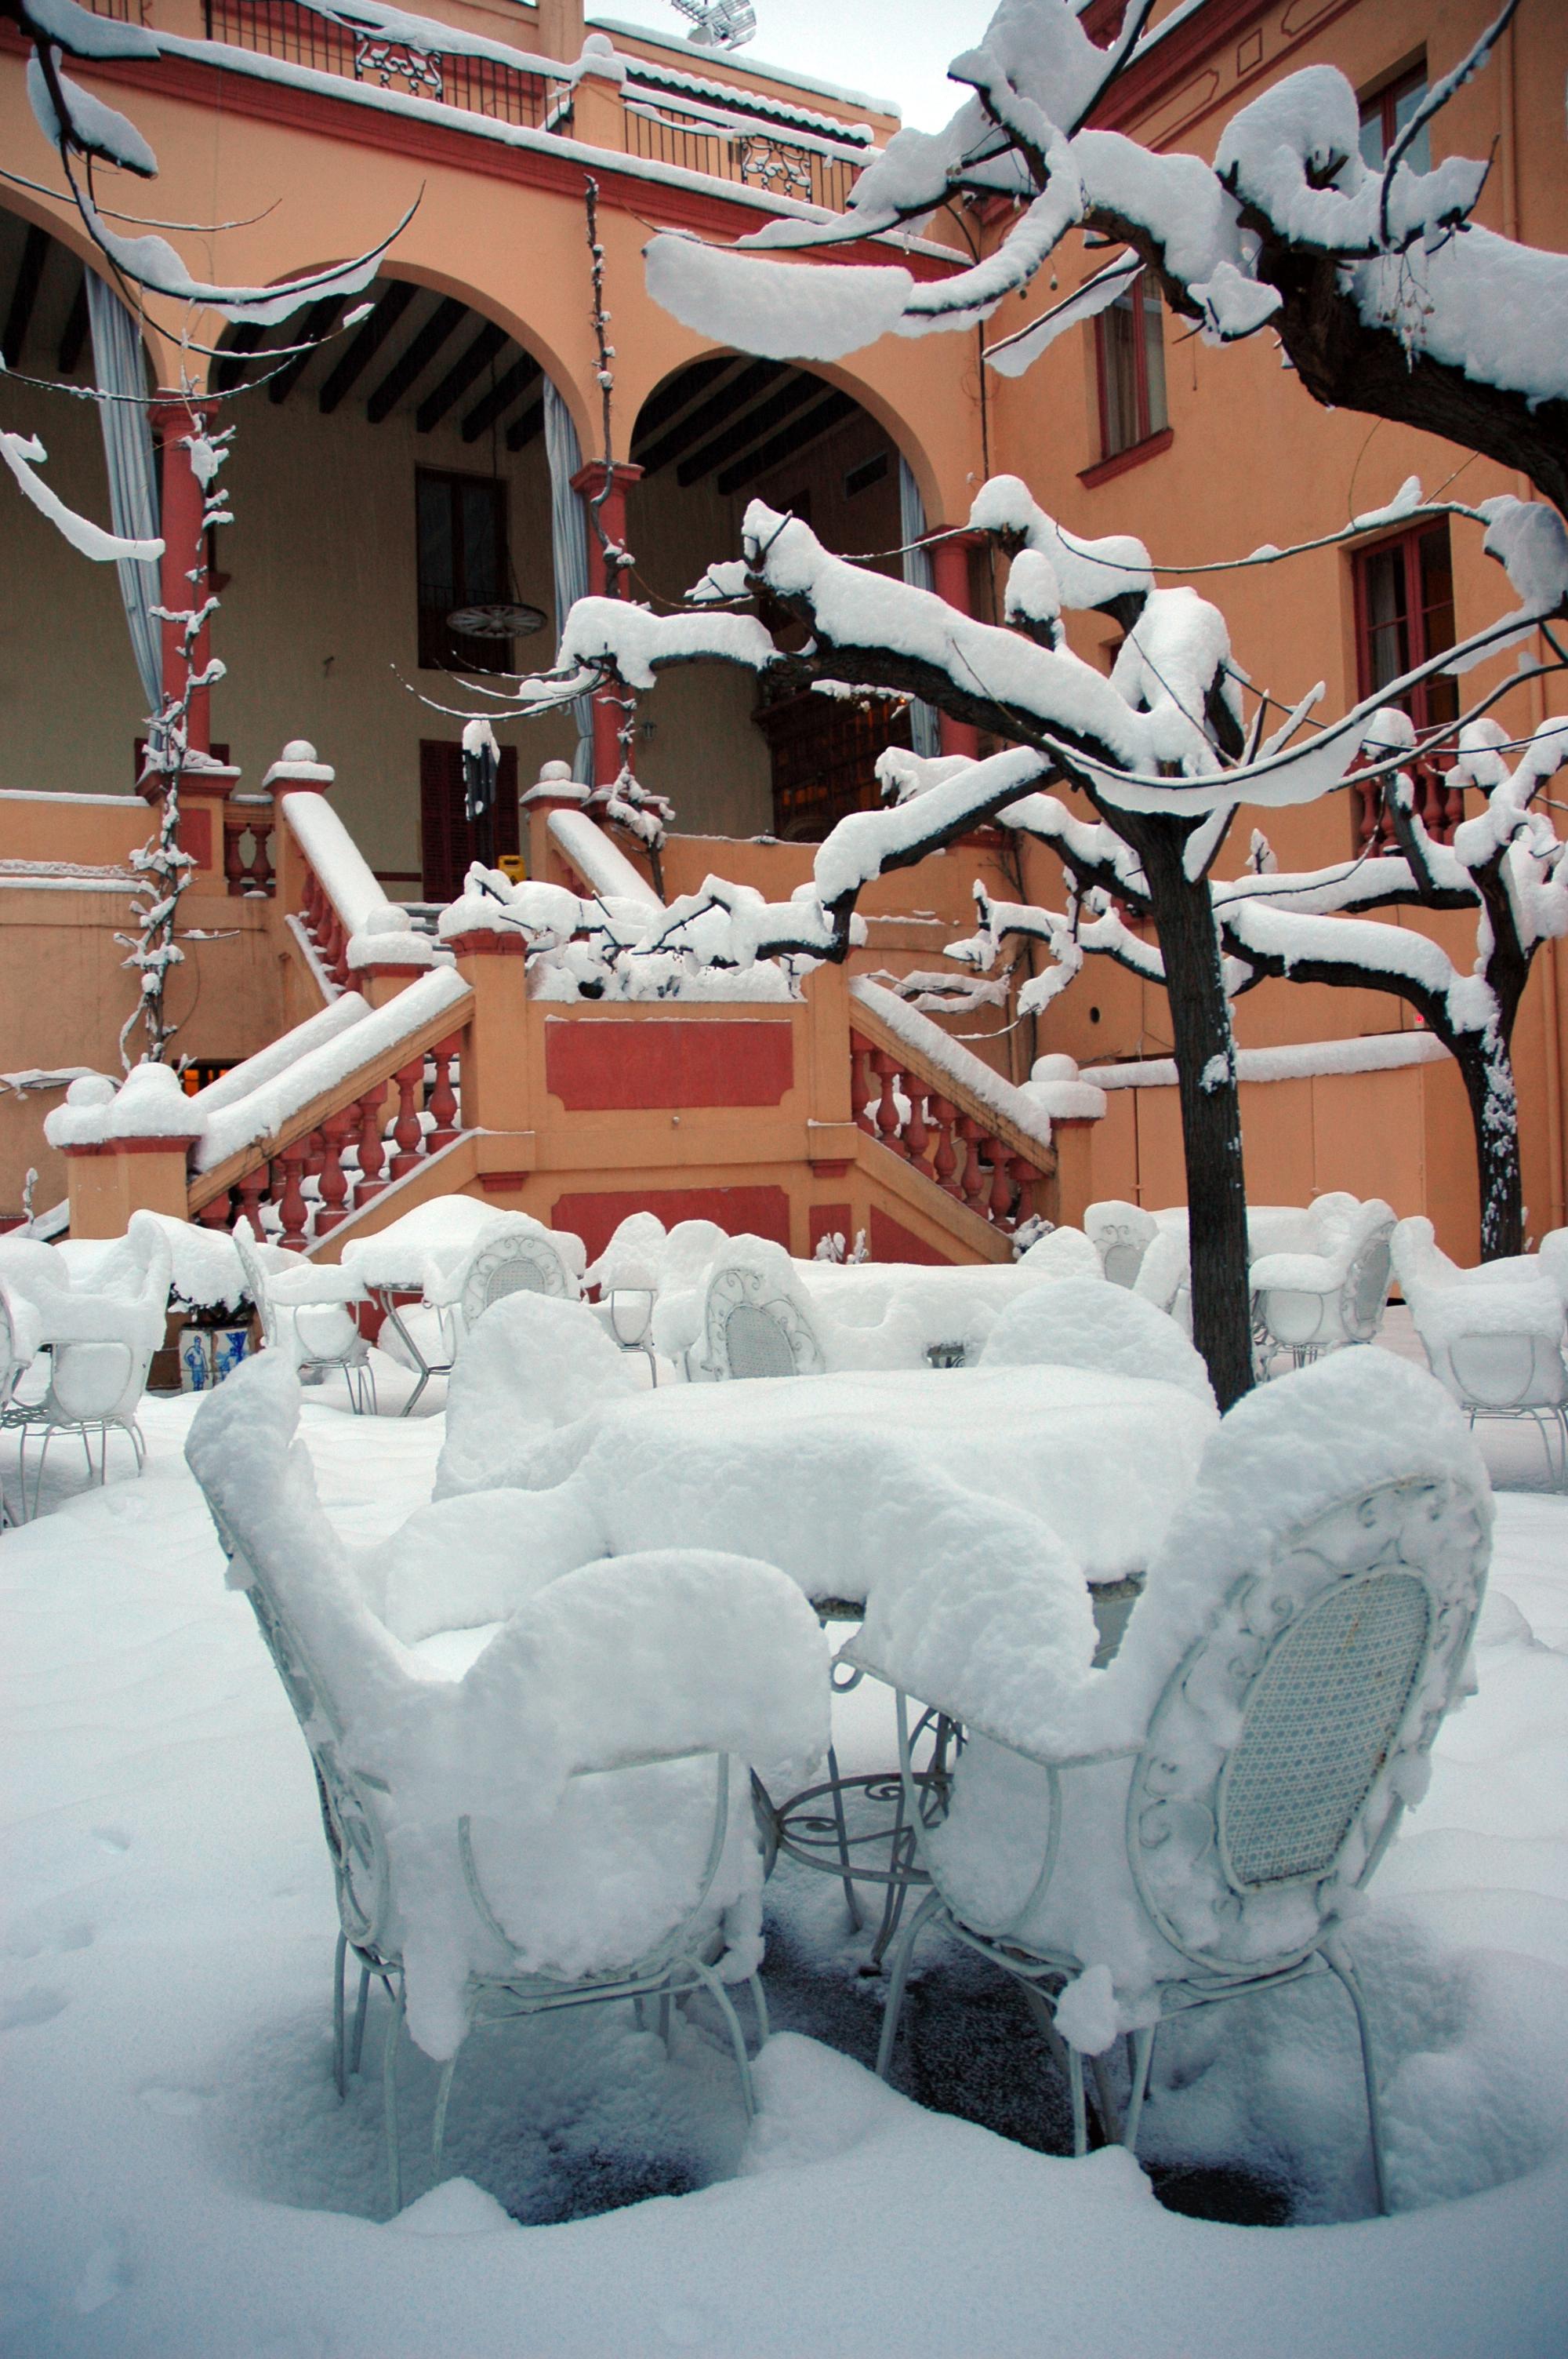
(888, 48)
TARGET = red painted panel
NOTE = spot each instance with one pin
(829, 1220)
(193, 832)
(616, 1067)
(891, 1241)
(755, 1211)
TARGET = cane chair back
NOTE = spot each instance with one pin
(513, 1263)
(1364, 1295)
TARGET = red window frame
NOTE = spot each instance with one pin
(1425, 625)
(1381, 107)
(1146, 400)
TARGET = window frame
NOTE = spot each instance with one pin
(1149, 435)
(1439, 806)
(1382, 100)
(492, 655)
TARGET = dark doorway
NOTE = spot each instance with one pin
(447, 841)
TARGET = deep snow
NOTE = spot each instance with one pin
(181, 2181)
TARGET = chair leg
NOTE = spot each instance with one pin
(1067, 2059)
(1334, 1958)
(717, 1991)
(842, 1831)
(362, 2004)
(1142, 2057)
(443, 2097)
(340, 1961)
(389, 2102)
(760, 2002)
(898, 1974)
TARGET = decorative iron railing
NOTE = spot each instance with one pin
(280, 28)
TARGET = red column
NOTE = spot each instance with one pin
(950, 580)
(175, 418)
(589, 481)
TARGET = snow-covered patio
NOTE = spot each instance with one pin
(183, 2181)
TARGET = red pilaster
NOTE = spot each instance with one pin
(176, 418)
(950, 580)
(590, 481)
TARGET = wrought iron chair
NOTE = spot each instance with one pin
(1514, 1370)
(1308, 1303)
(99, 1350)
(511, 1256)
(757, 1322)
(307, 1314)
(1122, 1234)
(1258, 1735)
(421, 1848)
(18, 1331)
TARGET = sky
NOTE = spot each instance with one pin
(888, 48)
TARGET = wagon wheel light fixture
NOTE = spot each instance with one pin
(504, 620)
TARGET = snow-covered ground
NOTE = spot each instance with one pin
(181, 2181)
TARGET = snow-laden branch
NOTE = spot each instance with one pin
(23, 454)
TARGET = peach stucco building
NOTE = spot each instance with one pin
(410, 467)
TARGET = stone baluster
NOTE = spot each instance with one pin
(973, 1185)
(888, 1073)
(1026, 1176)
(1001, 1193)
(916, 1130)
(861, 1090)
(293, 1210)
(235, 869)
(407, 1131)
(216, 1214)
(443, 1097)
(315, 1155)
(253, 1188)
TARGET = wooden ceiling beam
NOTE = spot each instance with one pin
(320, 321)
(501, 396)
(73, 335)
(24, 295)
(522, 430)
(390, 307)
(733, 395)
(458, 378)
(441, 324)
(660, 408)
(235, 366)
(754, 428)
(789, 444)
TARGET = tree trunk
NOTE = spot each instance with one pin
(1486, 1067)
(1211, 1112)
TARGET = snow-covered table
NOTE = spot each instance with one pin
(1102, 1459)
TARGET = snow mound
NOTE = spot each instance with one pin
(1084, 1323)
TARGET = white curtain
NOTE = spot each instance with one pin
(569, 549)
(119, 367)
(923, 725)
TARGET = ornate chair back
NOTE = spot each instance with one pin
(513, 1263)
(1364, 1295)
(1281, 1751)
(755, 1327)
(1122, 1234)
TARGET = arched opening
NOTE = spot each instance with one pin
(71, 705)
(734, 757)
(384, 482)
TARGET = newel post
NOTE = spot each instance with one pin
(295, 771)
(498, 1079)
(555, 790)
(125, 1150)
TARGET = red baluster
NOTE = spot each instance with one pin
(1026, 1176)
(862, 1089)
(945, 1115)
(253, 1188)
(372, 1153)
(260, 872)
(233, 859)
(916, 1130)
(407, 1131)
(293, 1210)
(311, 901)
(887, 1071)
(215, 1215)
(1001, 1181)
(335, 1131)
(974, 1185)
(315, 1155)
(443, 1097)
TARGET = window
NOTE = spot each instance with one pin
(1131, 344)
(1384, 115)
(1404, 616)
(462, 562)
(447, 843)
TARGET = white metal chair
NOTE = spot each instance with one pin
(1499, 1352)
(756, 1319)
(1121, 1234)
(531, 1836)
(1085, 1324)
(100, 1348)
(512, 1254)
(1308, 1303)
(18, 1346)
(307, 1314)
(1302, 1633)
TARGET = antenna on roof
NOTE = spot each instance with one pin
(718, 24)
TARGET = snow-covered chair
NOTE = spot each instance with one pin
(512, 1253)
(1498, 1351)
(528, 1834)
(757, 1319)
(1164, 1276)
(1306, 1303)
(1121, 1234)
(99, 1348)
(1064, 1252)
(305, 1309)
(1085, 1324)
(531, 1365)
(1196, 1820)
(18, 1348)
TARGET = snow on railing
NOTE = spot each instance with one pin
(934, 1102)
(603, 866)
(313, 1138)
(462, 70)
(345, 920)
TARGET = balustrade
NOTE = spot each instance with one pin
(903, 1108)
(318, 1178)
(248, 872)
